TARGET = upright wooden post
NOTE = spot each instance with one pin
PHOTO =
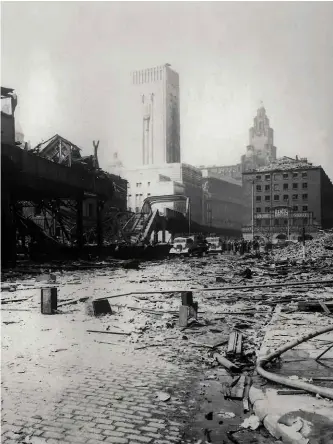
(49, 300)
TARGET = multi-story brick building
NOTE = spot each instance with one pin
(286, 196)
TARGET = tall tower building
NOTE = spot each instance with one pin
(261, 149)
(156, 129)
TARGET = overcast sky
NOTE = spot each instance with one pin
(70, 64)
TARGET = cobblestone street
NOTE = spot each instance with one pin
(62, 384)
(105, 397)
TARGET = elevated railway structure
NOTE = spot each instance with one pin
(26, 176)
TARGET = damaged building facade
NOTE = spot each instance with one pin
(285, 198)
(57, 217)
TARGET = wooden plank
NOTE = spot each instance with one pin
(226, 363)
(109, 332)
(232, 343)
(247, 386)
(239, 344)
(324, 307)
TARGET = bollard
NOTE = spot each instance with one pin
(183, 315)
(187, 298)
(193, 310)
(49, 300)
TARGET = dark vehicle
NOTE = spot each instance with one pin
(194, 245)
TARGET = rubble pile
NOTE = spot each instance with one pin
(317, 250)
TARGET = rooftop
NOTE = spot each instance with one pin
(286, 163)
(6, 92)
(217, 176)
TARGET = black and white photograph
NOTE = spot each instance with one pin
(166, 222)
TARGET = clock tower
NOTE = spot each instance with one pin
(261, 149)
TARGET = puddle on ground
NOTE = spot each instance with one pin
(208, 426)
(301, 365)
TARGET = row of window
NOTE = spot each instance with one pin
(268, 209)
(276, 187)
(139, 185)
(279, 176)
(285, 197)
(276, 222)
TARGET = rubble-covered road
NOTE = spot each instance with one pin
(137, 377)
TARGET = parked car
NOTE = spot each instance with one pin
(189, 246)
(214, 244)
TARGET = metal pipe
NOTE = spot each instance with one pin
(322, 391)
(239, 287)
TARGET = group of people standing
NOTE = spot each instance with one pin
(243, 246)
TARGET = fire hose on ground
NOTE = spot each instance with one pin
(322, 391)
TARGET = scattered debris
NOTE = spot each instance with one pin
(251, 423)
(235, 344)
(162, 396)
(109, 332)
(247, 386)
(98, 307)
(226, 363)
(226, 415)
